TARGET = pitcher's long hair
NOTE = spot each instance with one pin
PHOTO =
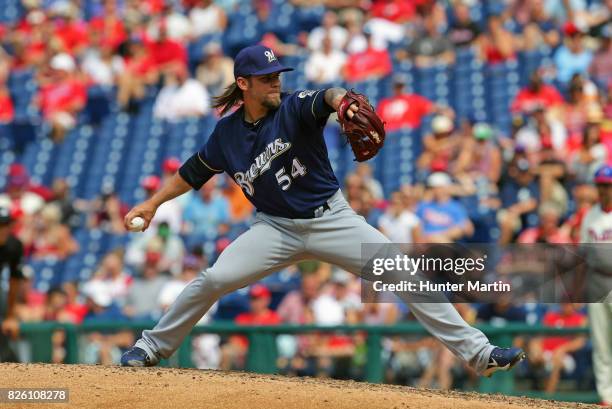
(231, 97)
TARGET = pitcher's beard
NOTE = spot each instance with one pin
(271, 102)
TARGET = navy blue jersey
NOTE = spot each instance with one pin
(280, 162)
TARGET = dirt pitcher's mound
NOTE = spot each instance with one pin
(158, 388)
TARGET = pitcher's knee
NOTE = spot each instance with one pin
(211, 283)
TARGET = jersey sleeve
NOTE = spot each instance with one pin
(310, 108)
(204, 164)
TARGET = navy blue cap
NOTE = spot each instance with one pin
(257, 60)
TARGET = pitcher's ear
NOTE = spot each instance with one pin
(243, 83)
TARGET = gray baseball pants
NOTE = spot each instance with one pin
(275, 242)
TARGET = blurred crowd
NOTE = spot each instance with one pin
(474, 181)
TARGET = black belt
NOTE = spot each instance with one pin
(315, 212)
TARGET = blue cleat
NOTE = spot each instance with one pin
(136, 357)
(504, 359)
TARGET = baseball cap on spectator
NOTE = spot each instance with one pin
(171, 165)
(441, 124)
(571, 29)
(439, 179)
(17, 176)
(257, 60)
(603, 175)
(258, 291)
(17, 169)
(163, 230)
(483, 131)
(151, 183)
(152, 257)
(63, 62)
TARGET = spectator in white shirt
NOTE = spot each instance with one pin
(178, 26)
(329, 28)
(356, 41)
(101, 65)
(207, 18)
(399, 224)
(181, 97)
(325, 64)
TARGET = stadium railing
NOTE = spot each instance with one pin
(262, 353)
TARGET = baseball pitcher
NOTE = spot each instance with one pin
(273, 147)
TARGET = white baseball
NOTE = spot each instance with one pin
(137, 223)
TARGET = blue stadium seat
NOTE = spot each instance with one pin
(309, 17)
(47, 273)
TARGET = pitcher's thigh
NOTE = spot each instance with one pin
(340, 241)
(257, 252)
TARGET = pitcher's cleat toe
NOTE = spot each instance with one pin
(136, 357)
(504, 359)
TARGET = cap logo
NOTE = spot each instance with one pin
(270, 56)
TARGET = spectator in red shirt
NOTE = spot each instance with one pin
(369, 64)
(397, 11)
(31, 38)
(71, 32)
(403, 110)
(109, 26)
(169, 167)
(7, 112)
(165, 52)
(498, 44)
(62, 95)
(140, 70)
(234, 352)
(558, 348)
(536, 94)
